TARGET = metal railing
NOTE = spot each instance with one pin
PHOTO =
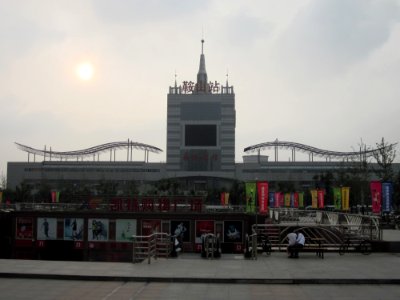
(331, 237)
(366, 225)
(151, 246)
(156, 205)
(251, 246)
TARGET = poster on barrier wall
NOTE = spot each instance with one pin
(97, 230)
(73, 229)
(125, 229)
(24, 228)
(46, 228)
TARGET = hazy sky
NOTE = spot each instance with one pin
(319, 72)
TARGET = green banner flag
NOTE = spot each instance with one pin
(287, 199)
(250, 197)
(337, 198)
(301, 200)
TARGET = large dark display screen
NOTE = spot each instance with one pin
(200, 135)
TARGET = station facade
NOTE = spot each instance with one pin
(200, 154)
(200, 150)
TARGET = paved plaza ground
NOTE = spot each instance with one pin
(351, 276)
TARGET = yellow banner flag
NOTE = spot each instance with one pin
(226, 198)
(345, 198)
(314, 199)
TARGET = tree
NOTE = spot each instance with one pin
(3, 181)
(43, 194)
(384, 157)
(359, 176)
(23, 192)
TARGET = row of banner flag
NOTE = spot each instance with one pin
(55, 197)
(258, 193)
(381, 197)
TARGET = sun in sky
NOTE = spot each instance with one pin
(85, 71)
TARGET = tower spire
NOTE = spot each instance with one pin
(202, 74)
(175, 80)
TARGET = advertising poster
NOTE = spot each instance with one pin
(46, 228)
(203, 227)
(320, 196)
(219, 230)
(387, 195)
(250, 197)
(345, 198)
(24, 228)
(151, 226)
(125, 229)
(97, 230)
(314, 199)
(376, 195)
(337, 198)
(262, 189)
(73, 229)
(181, 230)
(233, 231)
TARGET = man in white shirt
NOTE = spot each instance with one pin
(295, 243)
(292, 237)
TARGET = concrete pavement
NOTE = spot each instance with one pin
(349, 277)
(351, 268)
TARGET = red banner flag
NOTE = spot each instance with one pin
(320, 197)
(296, 200)
(53, 196)
(222, 198)
(376, 195)
(278, 199)
(262, 189)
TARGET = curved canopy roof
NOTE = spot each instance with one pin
(89, 151)
(314, 151)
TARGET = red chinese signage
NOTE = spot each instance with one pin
(190, 87)
(200, 157)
